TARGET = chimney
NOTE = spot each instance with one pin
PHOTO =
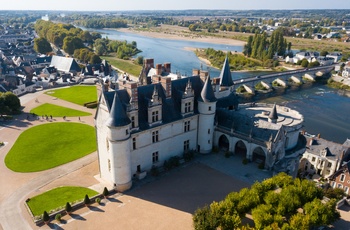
(319, 135)
(156, 79)
(149, 62)
(203, 75)
(195, 72)
(311, 141)
(216, 84)
(158, 69)
(167, 67)
(166, 83)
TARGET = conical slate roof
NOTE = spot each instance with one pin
(207, 94)
(273, 114)
(117, 115)
(225, 75)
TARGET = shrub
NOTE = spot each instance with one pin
(91, 105)
(68, 208)
(166, 165)
(58, 217)
(98, 200)
(86, 199)
(245, 161)
(46, 217)
(2, 143)
(261, 166)
(174, 161)
(188, 156)
(227, 154)
(154, 171)
(105, 192)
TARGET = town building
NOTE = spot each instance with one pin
(322, 157)
(142, 124)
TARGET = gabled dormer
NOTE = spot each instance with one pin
(133, 113)
(187, 100)
(155, 108)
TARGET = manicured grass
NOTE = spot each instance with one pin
(46, 146)
(57, 198)
(76, 94)
(57, 111)
(126, 66)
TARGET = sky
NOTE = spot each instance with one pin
(121, 5)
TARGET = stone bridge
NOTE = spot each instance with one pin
(283, 79)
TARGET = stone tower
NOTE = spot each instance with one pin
(206, 109)
(118, 146)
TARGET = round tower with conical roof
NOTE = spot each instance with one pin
(118, 147)
(206, 109)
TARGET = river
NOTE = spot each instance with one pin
(326, 111)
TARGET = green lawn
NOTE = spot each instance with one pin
(75, 94)
(124, 65)
(46, 146)
(57, 198)
(57, 111)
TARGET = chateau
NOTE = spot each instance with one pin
(142, 124)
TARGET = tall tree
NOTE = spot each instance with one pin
(41, 45)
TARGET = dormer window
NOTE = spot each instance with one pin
(188, 107)
(155, 117)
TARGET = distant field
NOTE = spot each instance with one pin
(75, 94)
(57, 198)
(47, 146)
(57, 111)
(124, 65)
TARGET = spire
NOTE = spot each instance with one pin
(273, 115)
(117, 115)
(225, 75)
(155, 94)
(207, 94)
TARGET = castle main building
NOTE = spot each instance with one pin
(143, 124)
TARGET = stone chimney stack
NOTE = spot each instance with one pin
(166, 83)
(159, 69)
(167, 67)
(195, 72)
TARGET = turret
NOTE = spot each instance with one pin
(225, 75)
(118, 146)
(206, 108)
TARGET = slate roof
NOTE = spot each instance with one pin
(334, 150)
(65, 64)
(117, 115)
(207, 93)
(225, 75)
(246, 125)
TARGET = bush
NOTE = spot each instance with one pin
(58, 217)
(105, 192)
(174, 161)
(227, 154)
(91, 105)
(98, 200)
(245, 161)
(86, 199)
(46, 217)
(188, 156)
(68, 208)
(261, 166)
(2, 143)
(154, 171)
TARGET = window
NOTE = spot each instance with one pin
(313, 159)
(187, 126)
(132, 122)
(342, 177)
(312, 166)
(187, 107)
(186, 145)
(209, 108)
(155, 136)
(134, 143)
(155, 157)
(329, 164)
(155, 116)
(340, 186)
(322, 163)
(126, 132)
(346, 189)
(208, 131)
(208, 141)
(109, 165)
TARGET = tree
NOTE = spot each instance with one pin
(192, 27)
(9, 103)
(139, 60)
(68, 208)
(41, 45)
(324, 53)
(46, 217)
(105, 192)
(87, 200)
(304, 62)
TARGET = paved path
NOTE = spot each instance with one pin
(15, 187)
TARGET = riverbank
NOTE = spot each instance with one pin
(179, 33)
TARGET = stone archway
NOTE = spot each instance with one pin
(224, 143)
(241, 149)
(259, 156)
